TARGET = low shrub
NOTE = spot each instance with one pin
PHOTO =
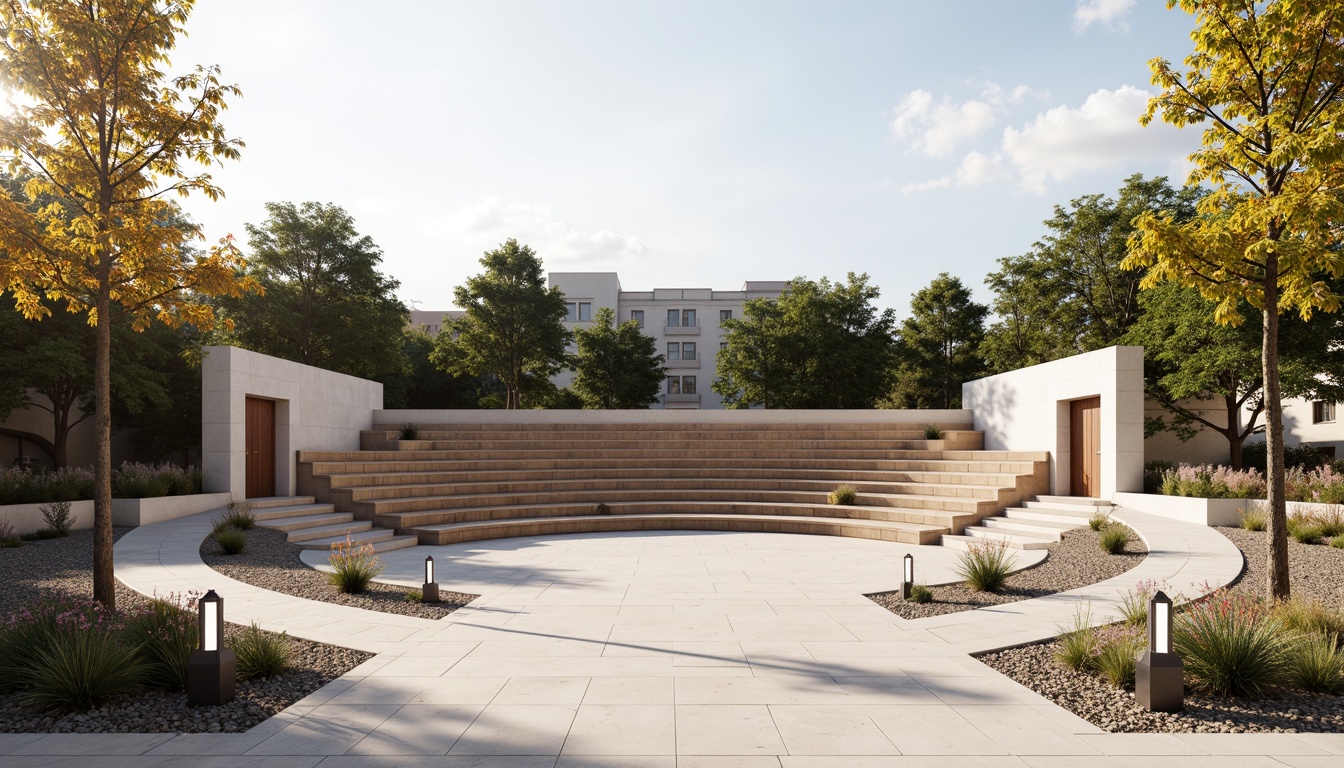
(42, 534)
(920, 594)
(26, 486)
(1078, 644)
(1253, 519)
(80, 670)
(57, 517)
(1211, 482)
(1153, 472)
(1337, 542)
(1099, 520)
(1134, 602)
(262, 654)
(8, 539)
(1317, 664)
(231, 540)
(410, 431)
(138, 481)
(239, 515)
(11, 542)
(1114, 538)
(985, 565)
(165, 632)
(414, 596)
(843, 495)
(1232, 645)
(355, 566)
(1118, 649)
(933, 432)
(1304, 531)
(1306, 616)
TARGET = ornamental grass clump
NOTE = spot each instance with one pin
(1232, 645)
(8, 538)
(1078, 644)
(1134, 602)
(67, 655)
(933, 432)
(1099, 520)
(1213, 482)
(920, 594)
(262, 654)
(239, 515)
(1114, 538)
(1316, 664)
(1253, 519)
(354, 566)
(1304, 530)
(165, 633)
(985, 565)
(843, 495)
(58, 519)
(409, 431)
(1337, 542)
(1309, 617)
(1118, 649)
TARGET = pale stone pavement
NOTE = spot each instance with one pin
(684, 649)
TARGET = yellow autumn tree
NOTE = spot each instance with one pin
(102, 137)
(1265, 80)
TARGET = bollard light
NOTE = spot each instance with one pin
(1159, 675)
(212, 668)
(907, 576)
(429, 593)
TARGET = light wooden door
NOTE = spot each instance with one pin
(260, 447)
(1085, 447)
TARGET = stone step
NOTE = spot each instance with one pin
(369, 535)
(1060, 516)
(1030, 527)
(306, 521)
(340, 530)
(1014, 539)
(1073, 501)
(267, 502)
(476, 531)
(381, 461)
(297, 510)
(666, 443)
(827, 427)
(369, 480)
(1078, 511)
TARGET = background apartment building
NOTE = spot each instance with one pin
(686, 323)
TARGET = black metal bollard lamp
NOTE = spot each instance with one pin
(429, 593)
(212, 668)
(1159, 675)
(907, 576)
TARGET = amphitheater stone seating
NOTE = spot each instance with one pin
(466, 482)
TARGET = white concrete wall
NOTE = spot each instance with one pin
(315, 410)
(1028, 410)
(1206, 447)
(393, 418)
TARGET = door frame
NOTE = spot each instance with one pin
(259, 453)
(1085, 447)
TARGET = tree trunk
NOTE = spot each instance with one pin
(104, 580)
(1234, 436)
(1278, 586)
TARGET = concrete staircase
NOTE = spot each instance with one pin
(466, 482)
(1033, 524)
(317, 526)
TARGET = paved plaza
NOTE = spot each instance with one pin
(684, 649)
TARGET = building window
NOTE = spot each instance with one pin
(725, 314)
(688, 350)
(585, 311)
(681, 385)
(673, 350)
(1322, 412)
(582, 310)
(684, 318)
(638, 316)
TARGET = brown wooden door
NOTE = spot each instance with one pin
(260, 452)
(1085, 447)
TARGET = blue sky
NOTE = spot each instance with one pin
(688, 143)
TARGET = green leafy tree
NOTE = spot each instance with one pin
(1265, 79)
(819, 345)
(939, 346)
(1069, 294)
(326, 303)
(1189, 355)
(616, 366)
(512, 328)
(428, 386)
(104, 133)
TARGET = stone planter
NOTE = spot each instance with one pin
(130, 513)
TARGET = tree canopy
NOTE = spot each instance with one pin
(939, 347)
(326, 303)
(104, 134)
(819, 345)
(1264, 81)
(616, 366)
(512, 329)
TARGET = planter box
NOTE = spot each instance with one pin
(127, 513)
(1186, 508)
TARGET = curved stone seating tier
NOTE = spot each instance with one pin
(458, 483)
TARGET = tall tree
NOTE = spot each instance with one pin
(616, 366)
(939, 347)
(512, 328)
(1187, 355)
(102, 131)
(1266, 79)
(427, 386)
(326, 303)
(1069, 294)
(819, 345)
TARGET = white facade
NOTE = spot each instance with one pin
(685, 322)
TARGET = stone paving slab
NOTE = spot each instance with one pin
(675, 650)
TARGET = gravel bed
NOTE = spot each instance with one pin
(271, 562)
(1315, 571)
(1074, 562)
(63, 568)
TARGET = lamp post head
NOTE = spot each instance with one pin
(909, 573)
(1159, 623)
(211, 621)
(429, 569)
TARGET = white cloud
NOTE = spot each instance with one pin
(484, 225)
(975, 169)
(1102, 133)
(1107, 12)
(935, 128)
